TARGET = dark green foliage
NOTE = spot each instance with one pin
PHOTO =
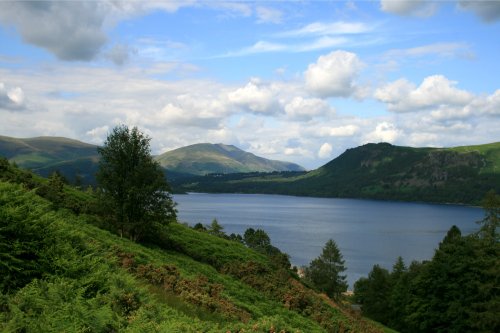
(325, 272)
(133, 187)
(200, 227)
(259, 241)
(373, 292)
(456, 291)
(20, 241)
(53, 190)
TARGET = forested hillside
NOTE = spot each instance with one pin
(378, 171)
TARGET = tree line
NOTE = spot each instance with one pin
(456, 291)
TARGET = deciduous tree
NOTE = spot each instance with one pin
(133, 187)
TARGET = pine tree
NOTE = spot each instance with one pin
(325, 272)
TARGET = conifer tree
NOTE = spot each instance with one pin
(325, 272)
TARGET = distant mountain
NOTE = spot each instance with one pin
(381, 171)
(78, 161)
(206, 158)
(73, 158)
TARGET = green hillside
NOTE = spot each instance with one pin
(44, 155)
(380, 171)
(206, 158)
(78, 161)
(60, 272)
(38, 152)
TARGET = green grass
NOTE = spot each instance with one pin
(491, 153)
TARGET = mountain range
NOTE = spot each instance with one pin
(375, 171)
(79, 160)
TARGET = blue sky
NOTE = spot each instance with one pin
(297, 81)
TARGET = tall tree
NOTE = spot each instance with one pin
(325, 272)
(133, 186)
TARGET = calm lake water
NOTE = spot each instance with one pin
(367, 232)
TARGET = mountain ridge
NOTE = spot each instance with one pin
(380, 171)
(206, 158)
(79, 160)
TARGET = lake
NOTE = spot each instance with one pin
(367, 232)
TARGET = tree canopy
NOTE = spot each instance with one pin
(133, 187)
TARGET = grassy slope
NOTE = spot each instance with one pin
(44, 155)
(491, 153)
(205, 158)
(382, 171)
(68, 275)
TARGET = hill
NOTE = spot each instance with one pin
(61, 272)
(43, 155)
(78, 161)
(380, 171)
(206, 158)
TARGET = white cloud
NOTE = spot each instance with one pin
(433, 92)
(258, 47)
(445, 50)
(330, 28)
(419, 8)
(231, 9)
(298, 151)
(269, 47)
(98, 135)
(333, 74)
(491, 105)
(488, 11)
(340, 131)
(485, 105)
(383, 132)
(268, 15)
(11, 98)
(307, 108)
(190, 110)
(325, 151)
(319, 44)
(255, 97)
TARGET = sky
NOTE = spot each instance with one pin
(300, 81)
